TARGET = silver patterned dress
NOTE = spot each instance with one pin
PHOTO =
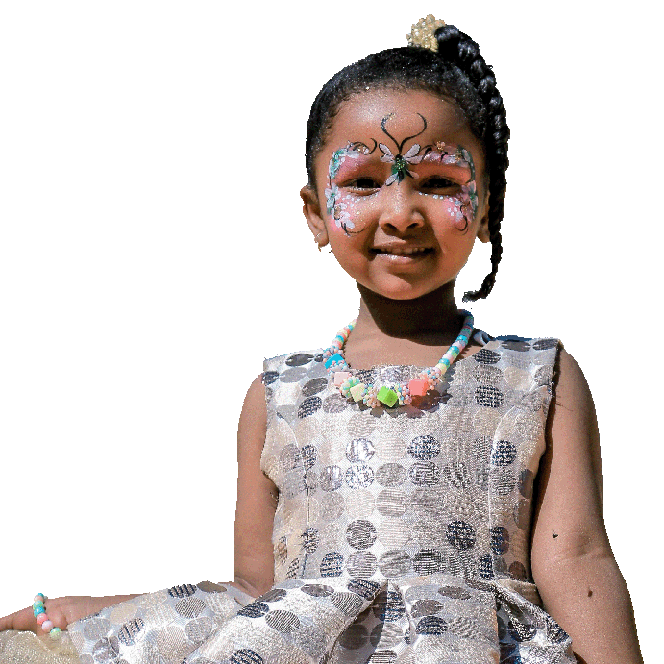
(401, 535)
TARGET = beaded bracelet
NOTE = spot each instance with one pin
(42, 618)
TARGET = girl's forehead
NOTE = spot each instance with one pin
(401, 113)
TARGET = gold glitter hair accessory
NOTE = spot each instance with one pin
(422, 33)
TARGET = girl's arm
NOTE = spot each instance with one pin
(62, 611)
(572, 564)
(256, 499)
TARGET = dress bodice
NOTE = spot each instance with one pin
(442, 486)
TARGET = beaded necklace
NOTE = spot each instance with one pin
(389, 395)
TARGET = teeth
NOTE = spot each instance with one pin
(406, 251)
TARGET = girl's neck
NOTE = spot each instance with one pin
(409, 332)
(429, 320)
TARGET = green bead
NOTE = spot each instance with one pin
(387, 396)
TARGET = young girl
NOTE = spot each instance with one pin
(419, 491)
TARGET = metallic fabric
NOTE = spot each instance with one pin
(401, 535)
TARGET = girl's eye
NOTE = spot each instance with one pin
(364, 184)
(437, 182)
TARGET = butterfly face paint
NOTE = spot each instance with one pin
(440, 171)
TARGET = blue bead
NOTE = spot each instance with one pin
(335, 358)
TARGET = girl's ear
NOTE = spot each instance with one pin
(313, 213)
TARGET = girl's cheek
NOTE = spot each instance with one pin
(345, 212)
(455, 211)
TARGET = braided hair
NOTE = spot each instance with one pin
(457, 71)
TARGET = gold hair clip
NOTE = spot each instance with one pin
(422, 33)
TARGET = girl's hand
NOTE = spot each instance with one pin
(61, 611)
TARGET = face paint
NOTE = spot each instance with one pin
(460, 207)
(400, 161)
(463, 205)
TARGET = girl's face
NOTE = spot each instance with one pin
(400, 191)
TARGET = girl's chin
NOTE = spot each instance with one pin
(402, 291)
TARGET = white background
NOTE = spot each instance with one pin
(153, 251)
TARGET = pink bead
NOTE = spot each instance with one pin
(418, 388)
(39, 598)
(42, 618)
(340, 377)
(47, 625)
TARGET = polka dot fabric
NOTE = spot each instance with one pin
(401, 535)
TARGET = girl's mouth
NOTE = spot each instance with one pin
(400, 250)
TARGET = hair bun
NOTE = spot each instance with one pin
(422, 34)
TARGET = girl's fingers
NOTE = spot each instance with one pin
(22, 620)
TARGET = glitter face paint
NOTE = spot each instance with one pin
(442, 162)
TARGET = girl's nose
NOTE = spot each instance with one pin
(400, 213)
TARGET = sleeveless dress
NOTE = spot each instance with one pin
(401, 535)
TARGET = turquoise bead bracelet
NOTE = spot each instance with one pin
(42, 617)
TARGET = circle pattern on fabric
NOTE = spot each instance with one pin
(424, 447)
(391, 474)
(454, 592)
(310, 540)
(293, 375)
(299, 359)
(485, 567)
(360, 450)
(331, 478)
(427, 561)
(269, 377)
(389, 606)
(519, 346)
(254, 610)
(488, 396)
(335, 403)
(309, 406)
(391, 502)
(246, 656)
(425, 607)
(361, 534)
(431, 625)
(461, 535)
(395, 563)
(183, 591)
(129, 630)
(354, 637)
(361, 565)
(361, 425)
(517, 570)
(309, 455)
(424, 473)
(544, 344)
(457, 475)
(331, 565)
(382, 657)
(190, 607)
(317, 590)
(503, 453)
(282, 621)
(359, 475)
(347, 603)
(273, 595)
(363, 588)
(314, 386)
(500, 540)
(485, 356)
